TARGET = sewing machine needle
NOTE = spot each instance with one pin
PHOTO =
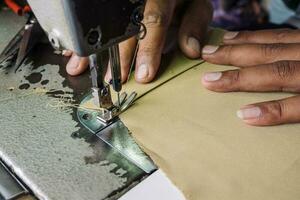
(119, 101)
(133, 60)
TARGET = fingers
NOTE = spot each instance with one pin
(67, 53)
(194, 27)
(157, 16)
(280, 76)
(127, 49)
(77, 65)
(263, 36)
(250, 54)
(272, 113)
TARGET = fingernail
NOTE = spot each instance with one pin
(142, 72)
(64, 52)
(212, 76)
(249, 113)
(230, 35)
(73, 62)
(209, 49)
(107, 78)
(194, 44)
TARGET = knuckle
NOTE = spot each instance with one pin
(233, 82)
(154, 19)
(282, 34)
(228, 52)
(271, 50)
(235, 77)
(148, 50)
(284, 70)
(246, 36)
(276, 110)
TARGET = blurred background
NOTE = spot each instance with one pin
(255, 14)
(229, 14)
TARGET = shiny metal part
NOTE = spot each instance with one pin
(33, 33)
(9, 55)
(115, 133)
(114, 59)
(96, 71)
(108, 115)
(21, 44)
(10, 187)
(128, 102)
(133, 60)
(101, 90)
(119, 100)
(122, 98)
(115, 66)
(23, 50)
(118, 137)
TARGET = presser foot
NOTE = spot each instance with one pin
(124, 102)
(102, 117)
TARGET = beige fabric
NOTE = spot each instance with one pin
(195, 137)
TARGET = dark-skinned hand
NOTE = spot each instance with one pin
(268, 60)
(158, 16)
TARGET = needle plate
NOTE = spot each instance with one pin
(116, 135)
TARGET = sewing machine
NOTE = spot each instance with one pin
(88, 28)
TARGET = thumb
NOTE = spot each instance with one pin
(194, 27)
(77, 65)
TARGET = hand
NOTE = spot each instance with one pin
(158, 16)
(269, 60)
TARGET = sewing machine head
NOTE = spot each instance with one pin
(87, 28)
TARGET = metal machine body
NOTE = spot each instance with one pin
(87, 28)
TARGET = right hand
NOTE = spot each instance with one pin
(158, 16)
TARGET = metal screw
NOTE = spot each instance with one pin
(86, 117)
(93, 37)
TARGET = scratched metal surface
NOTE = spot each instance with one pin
(43, 143)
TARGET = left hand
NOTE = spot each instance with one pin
(269, 60)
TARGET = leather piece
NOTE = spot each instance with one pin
(194, 136)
